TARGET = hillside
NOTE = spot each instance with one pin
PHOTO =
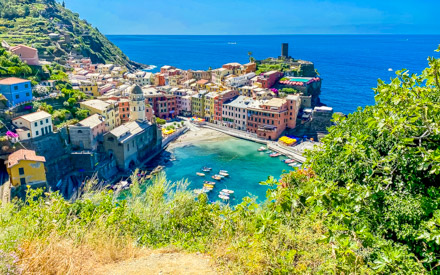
(30, 22)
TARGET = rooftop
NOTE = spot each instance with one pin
(240, 102)
(23, 154)
(91, 121)
(129, 129)
(13, 80)
(35, 116)
(96, 104)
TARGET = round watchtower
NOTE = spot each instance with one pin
(137, 104)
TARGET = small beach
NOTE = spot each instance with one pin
(197, 135)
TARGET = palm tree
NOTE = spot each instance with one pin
(250, 56)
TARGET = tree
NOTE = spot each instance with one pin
(82, 114)
(250, 56)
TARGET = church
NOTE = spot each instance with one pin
(137, 140)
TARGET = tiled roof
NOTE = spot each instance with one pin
(13, 80)
(23, 154)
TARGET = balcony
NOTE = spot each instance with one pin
(267, 128)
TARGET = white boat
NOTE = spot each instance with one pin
(390, 70)
(223, 171)
(206, 169)
(200, 174)
(223, 174)
(223, 197)
(228, 191)
(261, 149)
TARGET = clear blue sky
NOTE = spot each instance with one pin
(260, 16)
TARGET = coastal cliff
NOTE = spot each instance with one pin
(56, 32)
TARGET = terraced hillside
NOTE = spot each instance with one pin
(56, 32)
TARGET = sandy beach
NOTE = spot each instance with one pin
(193, 136)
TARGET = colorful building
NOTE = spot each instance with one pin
(209, 106)
(33, 125)
(109, 110)
(124, 109)
(269, 118)
(86, 133)
(234, 113)
(27, 54)
(26, 168)
(218, 103)
(267, 80)
(164, 105)
(198, 104)
(16, 90)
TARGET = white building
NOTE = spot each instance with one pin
(239, 81)
(33, 125)
(234, 112)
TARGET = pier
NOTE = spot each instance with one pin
(290, 152)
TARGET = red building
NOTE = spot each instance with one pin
(163, 105)
(267, 80)
(218, 103)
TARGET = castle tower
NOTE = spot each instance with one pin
(285, 50)
(137, 104)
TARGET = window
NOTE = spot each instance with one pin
(47, 120)
(27, 94)
(29, 135)
(21, 171)
(16, 88)
(26, 85)
(36, 124)
(17, 96)
(36, 133)
(41, 122)
(23, 181)
(50, 128)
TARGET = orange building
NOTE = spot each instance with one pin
(268, 119)
(124, 109)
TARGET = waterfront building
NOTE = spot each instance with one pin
(16, 90)
(86, 133)
(234, 113)
(269, 118)
(109, 110)
(33, 125)
(198, 104)
(132, 143)
(185, 105)
(218, 103)
(26, 168)
(209, 106)
(27, 54)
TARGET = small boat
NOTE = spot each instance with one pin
(289, 161)
(223, 197)
(216, 177)
(225, 193)
(390, 70)
(273, 155)
(209, 182)
(292, 164)
(223, 171)
(200, 174)
(224, 174)
(208, 187)
(228, 191)
(206, 169)
(201, 191)
(269, 152)
(261, 149)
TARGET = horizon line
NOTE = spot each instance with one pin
(365, 34)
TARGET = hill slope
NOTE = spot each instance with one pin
(30, 22)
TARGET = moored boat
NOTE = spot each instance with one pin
(273, 155)
(228, 191)
(224, 174)
(200, 174)
(261, 149)
(206, 169)
(209, 182)
(216, 177)
(289, 161)
(223, 197)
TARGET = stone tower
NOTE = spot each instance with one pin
(137, 104)
(285, 50)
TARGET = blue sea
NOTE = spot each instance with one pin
(349, 64)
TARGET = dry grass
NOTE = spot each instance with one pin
(57, 255)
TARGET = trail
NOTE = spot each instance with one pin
(161, 263)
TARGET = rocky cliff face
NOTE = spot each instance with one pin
(56, 32)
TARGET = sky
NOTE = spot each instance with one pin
(234, 17)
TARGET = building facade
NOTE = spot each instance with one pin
(33, 125)
(16, 90)
(86, 133)
(26, 168)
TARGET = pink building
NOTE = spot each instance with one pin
(267, 80)
(27, 54)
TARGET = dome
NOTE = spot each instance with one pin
(136, 90)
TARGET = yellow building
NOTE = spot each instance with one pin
(89, 88)
(209, 106)
(109, 110)
(198, 104)
(26, 168)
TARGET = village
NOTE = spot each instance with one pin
(128, 116)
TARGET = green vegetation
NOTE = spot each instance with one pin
(289, 91)
(11, 65)
(160, 121)
(264, 68)
(30, 22)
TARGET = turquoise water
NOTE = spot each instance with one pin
(246, 166)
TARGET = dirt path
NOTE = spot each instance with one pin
(161, 263)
